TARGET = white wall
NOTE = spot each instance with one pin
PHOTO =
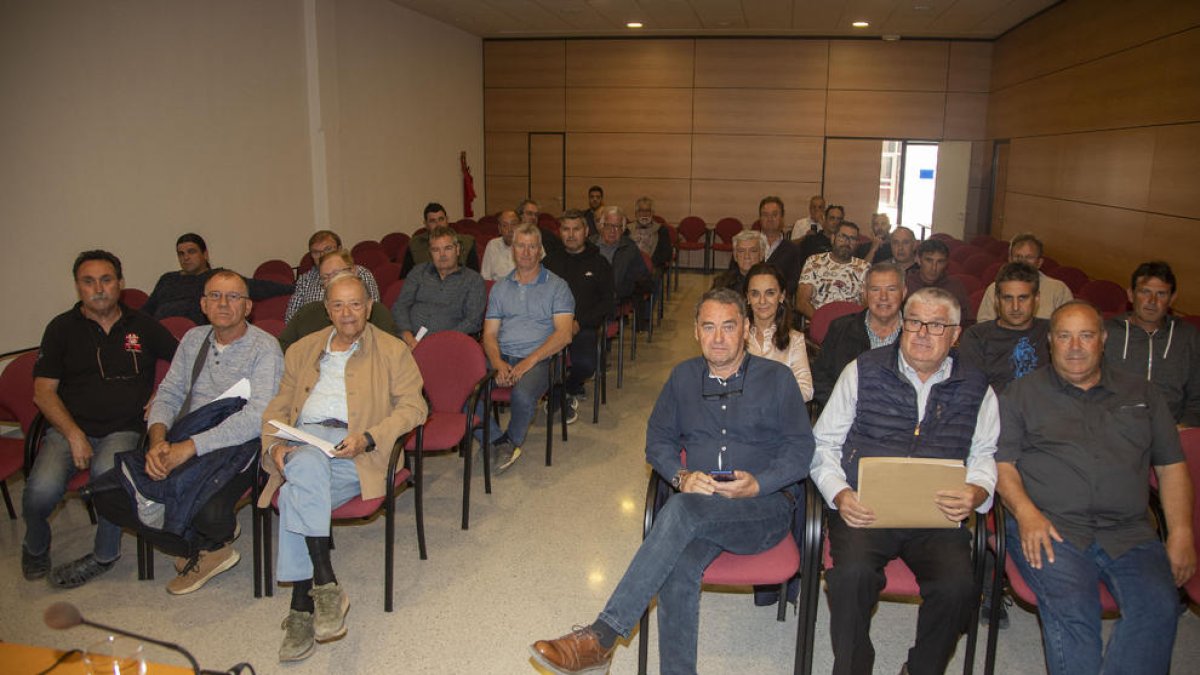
(125, 124)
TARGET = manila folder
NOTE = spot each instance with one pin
(900, 490)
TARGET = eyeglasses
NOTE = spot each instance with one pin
(935, 328)
(137, 372)
(233, 297)
(352, 305)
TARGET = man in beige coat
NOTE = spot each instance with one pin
(357, 388)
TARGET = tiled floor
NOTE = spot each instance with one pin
(543, 552)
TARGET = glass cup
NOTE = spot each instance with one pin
(115, 656)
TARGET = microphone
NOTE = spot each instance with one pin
(63, 615)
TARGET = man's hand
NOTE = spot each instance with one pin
(146, 408)
(279, 453)
(81, 451)
(156, 450)
(743, 485)
(1182, 554)
(698, 482)
(1036, 531)
(409, 339)
(166, 457)
(852, 511)
(504, 374)
(523, 366)
(958, 504)
(351, 446)
(575, 328)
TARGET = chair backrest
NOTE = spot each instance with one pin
(270, 308)
(1073, 277)
(451, 364)
(961, 253)
(727, 228)
(271, 325)
(997, 248)
(977, 300)
(386, 273)
(976, 264)
(988, 275)
(275, 270)
(1190, 439)
(305, 264)
(177, 325)
(955, 267)
(16, 391)
(692, 228)
(672, 232)
(367, 245)
(1107, 296)
(134, 298)
(825, 315)
(1048, 264)
(982, 240)
(970, 282)
(371, 258)
(394, 244)
(392, 293)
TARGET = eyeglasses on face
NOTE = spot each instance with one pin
(935, 328)
(215, 296)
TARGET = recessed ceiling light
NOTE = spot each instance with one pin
(634, 24)
(860, 24)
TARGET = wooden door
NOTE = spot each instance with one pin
(999, 188)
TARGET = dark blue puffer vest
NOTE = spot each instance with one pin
(885, 424)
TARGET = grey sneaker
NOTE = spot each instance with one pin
(298, 641)
(78, 572)
(504, 455)
(332, 603)
(34, 567)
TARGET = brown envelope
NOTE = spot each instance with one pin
(900, 490)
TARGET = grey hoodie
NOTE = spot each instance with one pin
(1169, 357)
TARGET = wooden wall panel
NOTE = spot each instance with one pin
(770, 158)
(523, 110)
(1174, 187)
(1110, 168)
(507, 153)
(966, 116)
(765, 64)
(796, 112)
(536, 63)
(1030, 213)
(629, 155)
(670, 195)
(895, 114)
(1033, 165)
(716, 199)
(852, 177)
(629, 110)
(1176, 241)
(888, 66)
(970, 66)
(505, 192)
(1098, 253)
(630, 63)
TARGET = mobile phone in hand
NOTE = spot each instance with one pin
(722, 476)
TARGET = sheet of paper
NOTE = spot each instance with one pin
(240, 389)
(290, 433)
(900, 490)
(421, 332)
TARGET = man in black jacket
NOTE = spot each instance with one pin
(590, 278)
(851, 335)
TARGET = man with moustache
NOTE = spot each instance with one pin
(93, 378)
(836, 276)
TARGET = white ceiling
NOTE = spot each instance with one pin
(985, 19)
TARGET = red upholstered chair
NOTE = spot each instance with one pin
(394, 245)
(970, 282)
(1073, 277)
(490, 223)
(276, 270)
(455, 372)
(694, 235)
(977, 300)
(954, 267)
(392, 293)
(270, 308)
(1048, 264)
(723, 235)
(1193, 319)
(178, 325)
(497, 395)
(366, 245)
(386, 273)
(1106, 295)
(306, 263)
(982, 240)
(997, 248)
(673, 269)
(548, 221)
(776, 565)
(273, 326)
(977, 263)
(961, 253)
(988, 275)
(134, 298)
(16, 405)
(825, 314)
(371, 258)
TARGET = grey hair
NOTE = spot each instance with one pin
(613, 209)
(747, 235)
(932, 295)
(347, 275)
(724, 296)
(648, 202)
(885, 268)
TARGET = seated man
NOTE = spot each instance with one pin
(1077, 443)
(233, 350)
(851, 335)
(779, 251)
(836, 276)
(530, 316)
(497, 258)
(1015, 343)
(879, 249)
(595, 196)
(879, 408)
(822, 241)
(1027, 248)
(1157, 346)
(713, 405)
(904, 249)
(628, 267)
(308, 285)
(93, 378)
(314, 316)
(749, 249)
(815, 222)
(589, 277)
(651, 237)
(933, 258)
(440, 295)
(530, 213)
(434, 215)
(359, 388)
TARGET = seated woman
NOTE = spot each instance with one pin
(770, 333)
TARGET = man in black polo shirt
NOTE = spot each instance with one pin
(1076, 445)
(93, 378)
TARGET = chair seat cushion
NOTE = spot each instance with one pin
(443, 431)
(900, 579)
(357, 507)
(773, 566)
(1022, 590)
(78, 481)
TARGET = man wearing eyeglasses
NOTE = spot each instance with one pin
(1027, 248)
(530, 214)
(358, 388)
(737, 488)
(234, 351)
(308, 285)
(911, 399)
(313, 316)
(836, 276)
(93, 377)
(628, 267)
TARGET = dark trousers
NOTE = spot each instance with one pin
(941, 561)
(583, 360)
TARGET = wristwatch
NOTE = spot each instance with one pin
(677, 481)
(370, 441)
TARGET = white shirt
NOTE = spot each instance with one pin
(803, 227)
(328, 398)
(497, 260)
(838, 416)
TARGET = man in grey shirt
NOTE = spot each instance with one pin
(1014, 344)
(1076, 445)
(236, 351)
(441, 294)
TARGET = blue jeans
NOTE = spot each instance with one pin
(316, 485)
(525, 396)
(1069, 604)
(689, 532)
(48, 482)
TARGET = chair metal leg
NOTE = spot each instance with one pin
(466, 506)
(562, 397)
(781, 614)
(601, 338)
(256, 533)
(91, 510)
(389, 551)
(486, 449)
(620, 351)
(418, 493)
(632, 333)
(644, 642)
(12, 513)
(267, 570)
(148, 560)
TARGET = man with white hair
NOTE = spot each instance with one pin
(749, 249)
(621, 252)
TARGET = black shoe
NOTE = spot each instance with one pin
(985, 613)
(78, 572)
(34, 567)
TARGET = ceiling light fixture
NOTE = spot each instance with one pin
(860, 24)
(634, 24)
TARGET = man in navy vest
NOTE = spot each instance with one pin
(908, 399)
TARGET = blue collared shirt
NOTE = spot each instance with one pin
(526, 311)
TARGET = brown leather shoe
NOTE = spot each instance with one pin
(576, 652)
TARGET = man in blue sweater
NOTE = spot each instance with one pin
(748, 443)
